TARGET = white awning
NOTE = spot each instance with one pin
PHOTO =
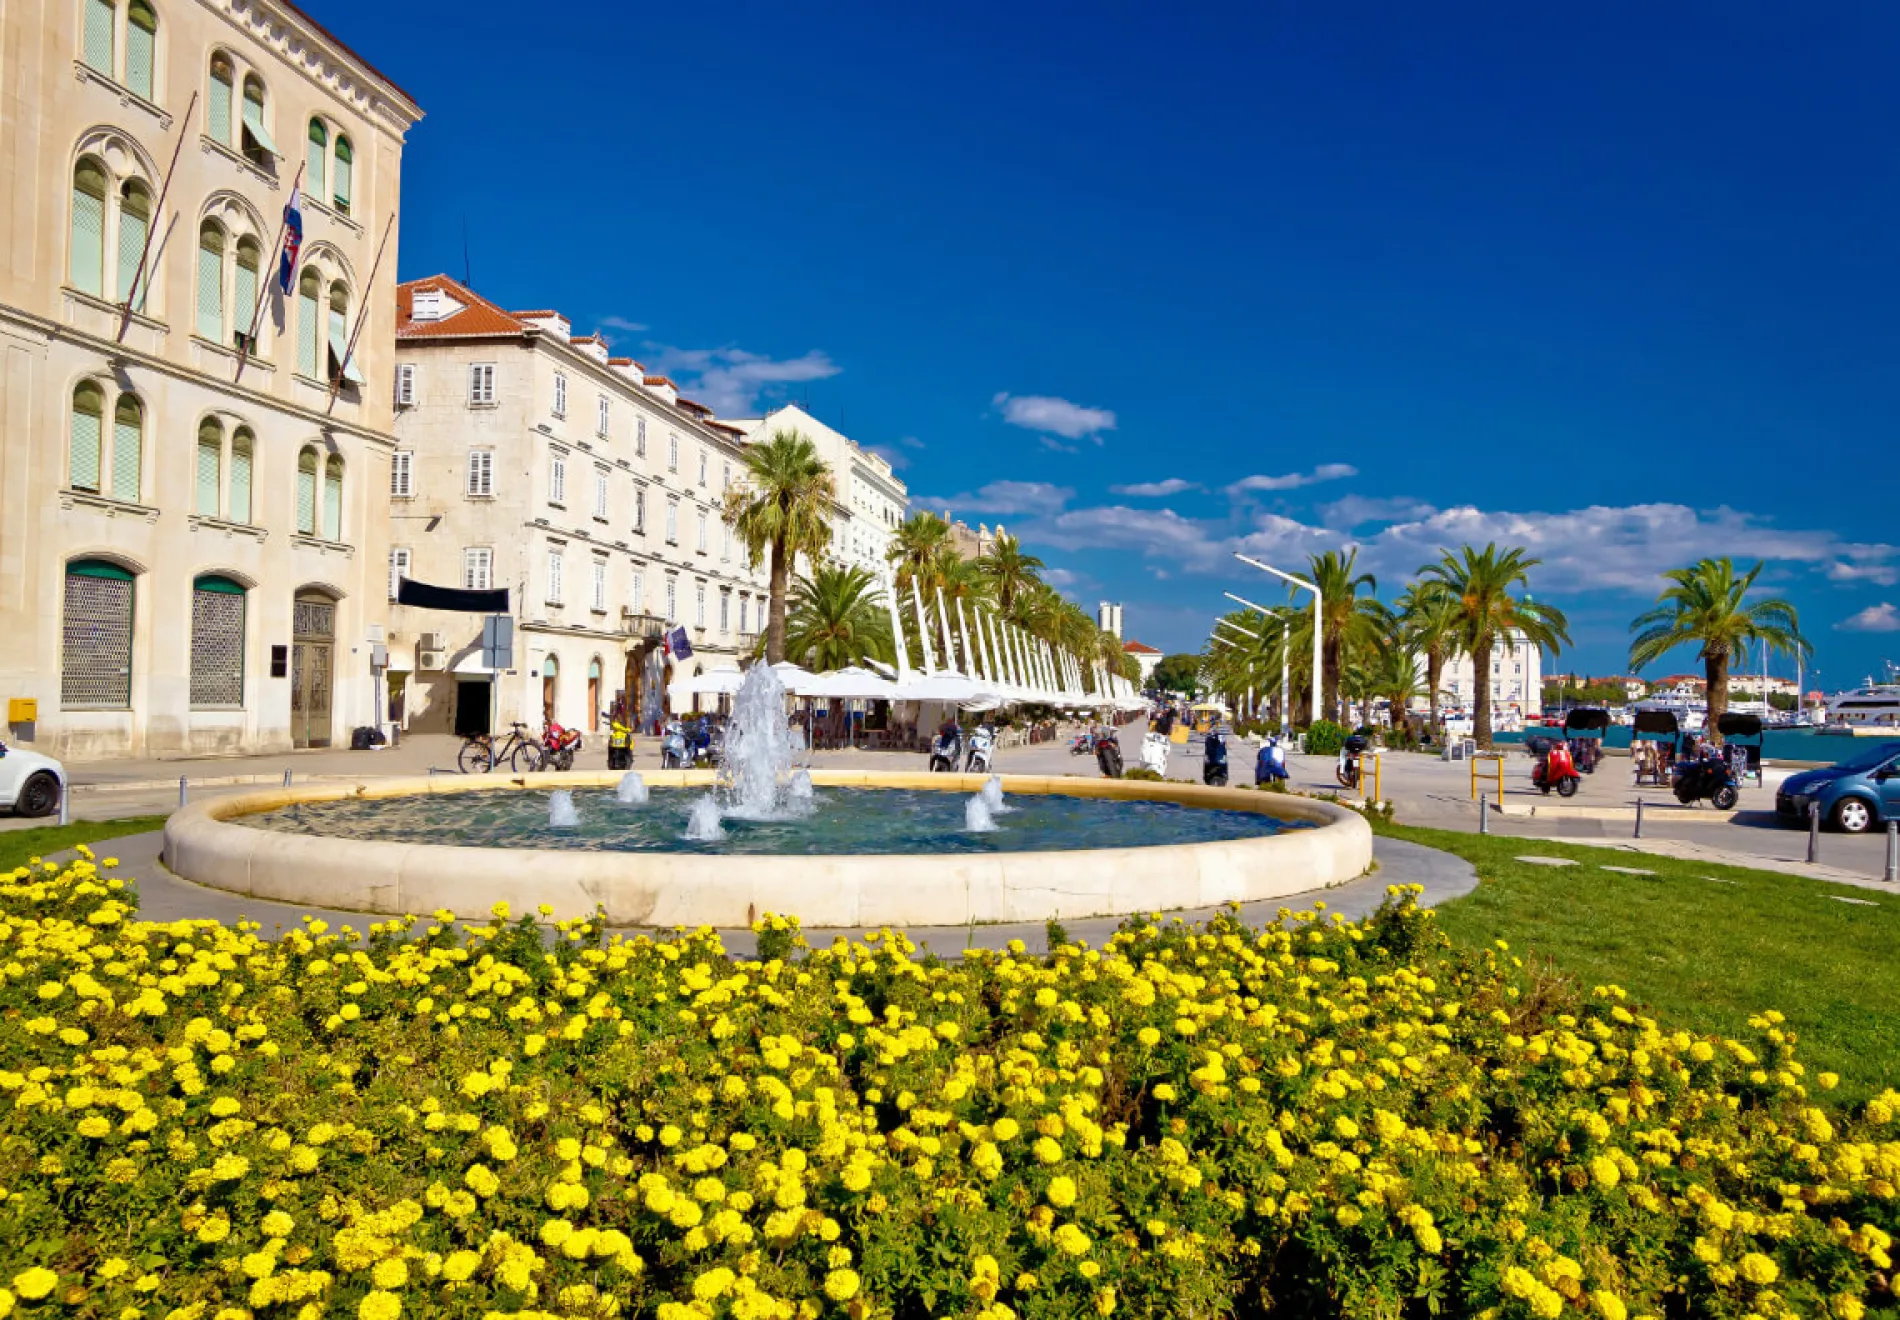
(254, 126)
(350, 373)
(852, 684)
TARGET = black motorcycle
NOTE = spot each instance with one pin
(1347, 769)
(1707, 777)
(1214, 760)
(1108, 755)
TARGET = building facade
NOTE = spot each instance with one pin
(869, 499)
(1517, 679)
(193, 461)
(1146, 656)
(1108, 617)
(531, 459)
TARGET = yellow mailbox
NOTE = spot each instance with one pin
(22, 710)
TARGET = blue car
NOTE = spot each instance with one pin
(1861, 792)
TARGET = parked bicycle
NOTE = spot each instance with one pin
(518, 751)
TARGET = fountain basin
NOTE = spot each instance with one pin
(204, 843)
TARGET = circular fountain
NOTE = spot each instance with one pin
(834, 848)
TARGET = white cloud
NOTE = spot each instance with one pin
(1064, 579)
(1851, 570)
(1146, 490)
(1294, 480)
(731, 381)
(1881, 618)
(1053, 416)
(1352, 511)
(1005, 497)
(622, 324)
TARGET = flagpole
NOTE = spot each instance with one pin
(158, 216)
(264, 283)
(361, 316)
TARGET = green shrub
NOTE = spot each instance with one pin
(1324, 738)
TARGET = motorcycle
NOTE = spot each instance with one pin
(673, 746)
(1708, 777)
(1270, 765)
(1154, 753)
(1347, 770)
(982, 744)
(946, 749)
(1108, 755)
(1214, 759)
(558, 746)
(1083, 744)
(619, 743)
(1557, 769)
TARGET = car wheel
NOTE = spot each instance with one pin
(1853, 816)
(39, 796)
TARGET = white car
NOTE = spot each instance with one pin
(30, 784)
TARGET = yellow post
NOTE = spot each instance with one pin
(1369, 784)
(1497, 763)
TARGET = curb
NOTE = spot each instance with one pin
(1657, 812)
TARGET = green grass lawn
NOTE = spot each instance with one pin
(16, 846)
(1702, 954)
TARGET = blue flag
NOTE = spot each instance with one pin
(676, 644)
(293, 239)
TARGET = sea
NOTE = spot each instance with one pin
(1780, 745)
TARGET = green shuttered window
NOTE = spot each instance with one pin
(89, 228)
(128, 435)
(307, 492)
(135, 208)
(100, 20)
(141, 43)
(210, 460)
(240, 510)
(87, 438)
(307, 338)
(211, 283)
(333, 499)
(218, 104)
(345, 168)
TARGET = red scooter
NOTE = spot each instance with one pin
(558, 746)
(1556, 769)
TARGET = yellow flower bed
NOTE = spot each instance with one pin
(1322, 1119)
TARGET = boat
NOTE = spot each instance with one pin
(1691, 713)
(1870, 710)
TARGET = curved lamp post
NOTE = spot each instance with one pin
(1318, 623)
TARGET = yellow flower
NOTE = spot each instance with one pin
(35, 1283)
(1759, 1269)
(1609, 1305)
(390, 1273)
(379, 1306)
(841, 1285)
(1061, 1192)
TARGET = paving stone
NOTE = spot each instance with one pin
(1857, 902)
(1716, 880)
(1548, 861)
(1625, 870)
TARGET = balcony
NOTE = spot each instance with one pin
(746, 642)
(650, 626)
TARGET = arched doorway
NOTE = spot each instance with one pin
(550, 682)
(312, 657)
(593, 695)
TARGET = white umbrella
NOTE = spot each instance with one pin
(721, 682)
(948, 686)
(853, 684)
(798, 681)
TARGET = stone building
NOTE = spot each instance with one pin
(869, 498)
(193, 462)
(530, 458)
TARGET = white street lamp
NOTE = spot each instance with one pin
(1319, 624)
(1286, 632)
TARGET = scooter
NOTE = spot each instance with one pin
(1556, 769)
(1347, 771)
(558, 746)
(1108, 755)
(946, 749)
(1214, 759)
(1083, 744)
(1270, 765)
(982, 744)
(619, 743)
(1706, 777)
(673, 746)
(1154, 753)
(700, 744)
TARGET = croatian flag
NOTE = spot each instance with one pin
(676, 644)
(293, 239)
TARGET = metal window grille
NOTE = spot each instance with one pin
(96, 634)
(313, 618)
(217, 648)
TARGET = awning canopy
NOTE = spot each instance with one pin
(852, 684)
(345, 363)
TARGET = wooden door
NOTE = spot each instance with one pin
(311, 670)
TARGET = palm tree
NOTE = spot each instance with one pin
(782, 509)
(1704, 606)
(917, 544)
(1349, 621)
(1010, 570)
(838, 617)
(1392, 673)
(1479, 583)
(1429, 621)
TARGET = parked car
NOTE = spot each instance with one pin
(30, 784)
(1854, 796)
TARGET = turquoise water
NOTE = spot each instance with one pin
(1777, 744)
(842, 821)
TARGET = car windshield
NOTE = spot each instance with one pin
(1871, 759)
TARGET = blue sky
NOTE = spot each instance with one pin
(1147, 284)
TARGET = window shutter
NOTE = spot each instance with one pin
(96, 641)
(316, 153)
(210, 456)
(101, 17)
(140, 40)
(406, 385)
(132, 228)
(87, 435)
(218, 110)
(640, 511)
(127, 434)
(246, 299)
(400, 483)
(345, 169)
(89, 230)
(210, 289)
(217, 643)
(557, 480)
(398, 569)
(240, 511)
(307, 494)
(640, 437)
(600, 494)
(307, 331)
(333, 501)
(600, 584)
(554, 578)
(560, 395)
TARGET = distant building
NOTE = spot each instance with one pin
(970, 544)
(1145, 656)
(1108, 617)
(1517, 681)
(869, 498)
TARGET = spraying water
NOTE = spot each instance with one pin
(799, 790)
(702, 822)
(976, 816)
(992, 795)
(756, 777)
(632, 790)
(561, 812)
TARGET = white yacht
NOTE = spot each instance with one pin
(1691, 712)
(1870, 706)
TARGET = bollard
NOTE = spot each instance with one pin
(286, 779)
(432, 772)
(181, 792)
(1814, 832)
(65, 804)
(1893, 852)
(1639, 817)
(1484, 813)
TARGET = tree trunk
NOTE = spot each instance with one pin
(775, 607)
(1715, 670)
(1481, 698)
(1329, 691)
(1434, 671)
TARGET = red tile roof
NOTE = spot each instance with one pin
(478, 318)
(659, 380)
(587, 339)
(1139, 648)
(527, 315)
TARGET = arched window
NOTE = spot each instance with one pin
(333, 499)
(307, 492)
(141, 47)
(128, 445)
(95, 660)
(101, 19)
(250, 263)
(345, 168)
(316, 153)
(217, 643)
(211, 282)
(218, 102)
(135, 222)
(242, 446)
(210, 468)
(342, 368)
(87, 436)
(309, 288)
(89, 227)
(257, 144)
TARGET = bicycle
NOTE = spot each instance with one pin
(518, 752)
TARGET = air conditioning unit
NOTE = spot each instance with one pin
(429, 660)
(430, 641)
